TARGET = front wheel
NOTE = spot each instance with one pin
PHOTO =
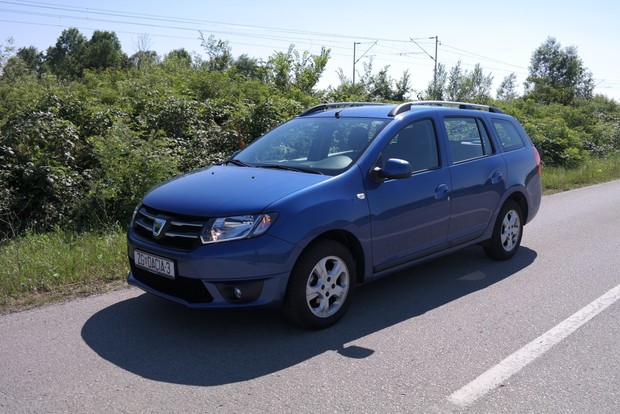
(507, 232)
(321, 286)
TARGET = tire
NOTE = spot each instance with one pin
(321, 286)
(507, 232)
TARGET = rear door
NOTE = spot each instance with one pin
(477, 174)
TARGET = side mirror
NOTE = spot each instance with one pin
(394, 168)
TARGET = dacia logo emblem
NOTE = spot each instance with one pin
(158, 227)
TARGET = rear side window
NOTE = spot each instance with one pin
(468, 139)
(508, 135)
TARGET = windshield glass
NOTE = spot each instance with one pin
(324, 145)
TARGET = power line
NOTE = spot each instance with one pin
(483, 57)
(182, 23)
(154, 17)
(387, 50)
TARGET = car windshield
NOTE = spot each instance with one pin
(320, 145)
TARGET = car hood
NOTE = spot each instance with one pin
(226, 190)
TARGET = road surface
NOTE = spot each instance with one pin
(539, 333)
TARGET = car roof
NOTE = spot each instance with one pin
(386, 110)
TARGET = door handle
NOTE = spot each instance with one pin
(497, 177)
(441, 192)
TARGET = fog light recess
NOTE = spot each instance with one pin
(240, 292)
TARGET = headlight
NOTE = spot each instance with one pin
(236, 227)
(135, 212)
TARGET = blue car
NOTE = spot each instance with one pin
(340, 195)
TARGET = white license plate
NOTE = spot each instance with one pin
(155, 264)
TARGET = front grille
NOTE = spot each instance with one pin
(178, 232)
(189, 289)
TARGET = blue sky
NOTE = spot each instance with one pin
(501, 36)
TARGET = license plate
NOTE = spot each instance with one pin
(155, 264)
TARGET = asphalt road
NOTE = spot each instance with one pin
(537, 334)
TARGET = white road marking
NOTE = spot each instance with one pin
(495, 376)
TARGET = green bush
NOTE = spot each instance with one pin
(567, 135)
(128, 167)
(42, 160)
(81, 153)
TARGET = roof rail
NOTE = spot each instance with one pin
(326, 106)
(461, 105)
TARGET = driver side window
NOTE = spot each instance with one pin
(417, 144)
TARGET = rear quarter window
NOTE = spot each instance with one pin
(508, 135)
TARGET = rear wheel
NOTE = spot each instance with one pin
(321, 286)
(507, 232)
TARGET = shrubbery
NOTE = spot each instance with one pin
(79, 150)
(567, 135)
(81, 154)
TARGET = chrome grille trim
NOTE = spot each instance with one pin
(187, 236)
(184, 223)
(180, 233)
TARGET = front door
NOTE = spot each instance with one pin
(410, 216)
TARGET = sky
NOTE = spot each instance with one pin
(500, 36)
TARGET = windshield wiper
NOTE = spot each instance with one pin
(235, 162)
(289, 168)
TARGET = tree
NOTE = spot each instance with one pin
(66, 58)
(219, 52)
(346, 91)
(32, 58)
(436, 88)
(403, 86)
(455, 80)
(558, 75)
(280, 68)
(6, 51)
(506, 90)
(371, 86)
(468, 86)
(478, 85)
(180, 57)
(26, 60)
(144, 58)
(379, 85)
(308, 69)
(249, 68)
(291, 70)
(103, 51)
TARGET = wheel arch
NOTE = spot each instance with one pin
(521, 200)
(350, 242)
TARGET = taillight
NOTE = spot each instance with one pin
(537, 158)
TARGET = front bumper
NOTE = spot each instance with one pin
(200, 293)
(243, 273)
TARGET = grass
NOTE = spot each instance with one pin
(37, 269)
(595, 170)
(42, 268)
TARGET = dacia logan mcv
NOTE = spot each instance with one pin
(340, 195)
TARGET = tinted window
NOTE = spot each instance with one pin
(468, 138)
(508, 135)
(416, 143)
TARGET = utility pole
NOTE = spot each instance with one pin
(428, 54)
(435, 77)
(363, 54)
(354, 61)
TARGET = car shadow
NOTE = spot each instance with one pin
(163, 341)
